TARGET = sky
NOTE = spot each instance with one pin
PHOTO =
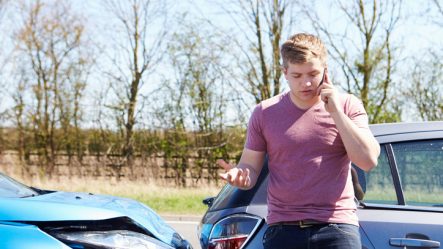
(414, 36)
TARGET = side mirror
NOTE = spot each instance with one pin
(208, 201)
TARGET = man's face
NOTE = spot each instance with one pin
(303, 80)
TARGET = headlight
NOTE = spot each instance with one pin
(118, 239)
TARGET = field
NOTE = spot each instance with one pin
(163, 198)
(166, 200)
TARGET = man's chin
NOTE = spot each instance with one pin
(308, 97)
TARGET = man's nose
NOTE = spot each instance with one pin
(308, 81)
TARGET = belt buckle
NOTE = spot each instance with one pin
(302, 224)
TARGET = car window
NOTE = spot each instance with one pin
(14, 189)
(420, 166)
(378, 184)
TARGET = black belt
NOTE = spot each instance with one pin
(300, 223)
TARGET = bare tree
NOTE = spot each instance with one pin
(18, 114)
(49, 45)
(260, 61)
(427, 88)
(427, 76)
(2, 92)
(141, 50)
(2, 53)
(439, 7)
(198, 103)
(197, 58)
(364, 51)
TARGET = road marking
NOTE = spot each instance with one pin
(182, 222)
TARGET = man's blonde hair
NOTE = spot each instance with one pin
(302, 47)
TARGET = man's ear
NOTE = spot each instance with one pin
(285, 72)
(284, 69)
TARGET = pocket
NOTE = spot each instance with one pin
(270, 233)
(346, 229)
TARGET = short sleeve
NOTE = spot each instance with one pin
(254, 137)
(355, 110)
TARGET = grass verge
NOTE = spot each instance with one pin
(165, 200)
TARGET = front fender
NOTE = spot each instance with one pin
(23, 236)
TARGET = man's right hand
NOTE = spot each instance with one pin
(235, 176)
(245, 175)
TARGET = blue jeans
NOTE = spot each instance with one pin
(324, 236)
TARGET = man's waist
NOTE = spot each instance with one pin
(300, 223)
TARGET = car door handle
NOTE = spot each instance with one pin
(402, 242)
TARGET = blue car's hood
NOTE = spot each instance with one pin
(65, 206)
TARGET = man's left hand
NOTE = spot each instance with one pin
(329, 95)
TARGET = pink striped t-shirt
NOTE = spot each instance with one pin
(309, 170)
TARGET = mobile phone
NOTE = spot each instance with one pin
(323, 77)
(322, 80)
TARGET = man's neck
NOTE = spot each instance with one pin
(304, 105)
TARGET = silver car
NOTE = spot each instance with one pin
(400, 206)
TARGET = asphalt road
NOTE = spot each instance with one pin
(186, 226)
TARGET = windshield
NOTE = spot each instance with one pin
(13, 189)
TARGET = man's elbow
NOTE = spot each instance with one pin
(374, 156)
(370, 161)
(366, 165)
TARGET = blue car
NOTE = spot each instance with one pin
(33, 218)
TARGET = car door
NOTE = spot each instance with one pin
(403, 202)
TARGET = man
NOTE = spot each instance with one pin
(310, 134)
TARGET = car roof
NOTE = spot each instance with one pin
(397, 132)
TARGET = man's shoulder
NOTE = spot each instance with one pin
(349, 99)
(348, 96)
(265, 104)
